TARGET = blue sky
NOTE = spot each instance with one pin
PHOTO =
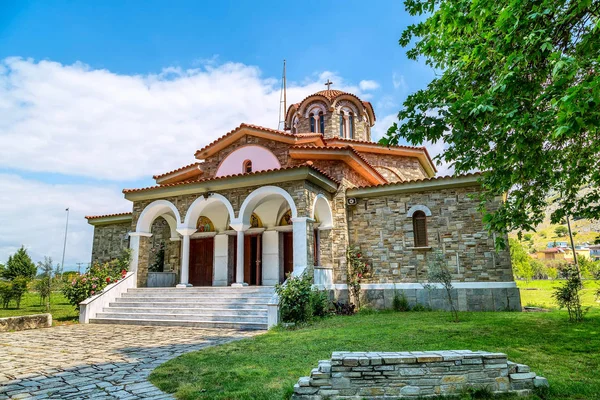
(98, 96)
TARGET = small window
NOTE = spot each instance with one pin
(316, 248)
(351, 123)
(312, 122)
(342, 124)
(420, 228)
(247, 166)
(321, 122)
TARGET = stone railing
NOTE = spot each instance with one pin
(414, 374)
(95, 304)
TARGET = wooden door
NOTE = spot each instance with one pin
(288, 254)
(253, 259)
(201, 261)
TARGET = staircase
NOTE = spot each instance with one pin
(199, 307)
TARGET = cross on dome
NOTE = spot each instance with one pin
(328, 84)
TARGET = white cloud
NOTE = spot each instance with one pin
(33, 214)
(76, 120)
(398, 81)
(368, 85)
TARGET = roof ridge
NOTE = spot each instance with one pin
(108, 215)
(435, 178)
(175, 170)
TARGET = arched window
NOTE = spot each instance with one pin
(351, 126)
(342, 124)
(247, 166)
(321, 122)
(420, 228)
(311, 116)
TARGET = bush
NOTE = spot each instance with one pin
(320, 303)
(13, 291)
(400, 302)
(19, 265)
(420, 308)
(561, 231)
(96, 279)
(295, 299)
(342, 308)
(358, 269)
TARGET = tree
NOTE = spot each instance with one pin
(440, 273)
(521, 261)
(20, 265)
(517, 97)
(44, 285)
(561, 231)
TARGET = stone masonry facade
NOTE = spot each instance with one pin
(455, 232)
(109, 241)
(406, 375)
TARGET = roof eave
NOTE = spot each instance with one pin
(279, 176)
(409, 187)
(114, 219)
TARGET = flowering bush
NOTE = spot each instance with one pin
(96, 279)
(358, 269)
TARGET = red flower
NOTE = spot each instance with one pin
(124, 272)
(359, 255)
(108, 279)
(92, 292)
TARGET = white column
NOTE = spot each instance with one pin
(239, 268)
(300, 244)
(221, 258)
(184, 271)
(134, 245)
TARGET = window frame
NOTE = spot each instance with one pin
(245, 165)
(419, 217)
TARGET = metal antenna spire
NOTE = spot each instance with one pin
(282, 101)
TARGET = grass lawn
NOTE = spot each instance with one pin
(267, 366)
(539, 293)
(62, 311)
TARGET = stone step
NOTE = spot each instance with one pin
(184, 317)
(120, 302)
(181, 322)
(185, 293)
(117, 307)
(196, 300)
(208, 289)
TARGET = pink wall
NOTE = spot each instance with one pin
(261, 158)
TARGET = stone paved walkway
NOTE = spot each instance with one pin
(95, 361)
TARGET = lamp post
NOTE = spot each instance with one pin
(62, 264)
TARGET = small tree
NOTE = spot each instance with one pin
(44, 284)
(20, 264)
(567, 295)
(561, 231)
(439, 273)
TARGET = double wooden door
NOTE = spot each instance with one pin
(201, 261)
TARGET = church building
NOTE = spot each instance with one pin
(258, 204)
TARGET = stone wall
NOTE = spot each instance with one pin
(455, 231)
(414, 375)
(332, 122)
(409, 168)
(161, 233)
(109, 241)
(22, 323)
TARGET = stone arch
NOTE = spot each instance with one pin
(321, 211)
(315, 107)
(259, 195)
(196, 208)
(416, 208)
(158, 208)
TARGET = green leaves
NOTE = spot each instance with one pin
(518, 98)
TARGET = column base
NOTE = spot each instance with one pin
(239, 285)
(183, 285)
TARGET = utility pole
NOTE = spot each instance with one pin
(79, 267)
(62, 264)
(573, 247)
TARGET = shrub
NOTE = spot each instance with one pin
(400, 302)
(420, 308)
(561, 231)
(13, 291)
(320, 303)
(342, 308)
(439, 273)
(567, 295)
(158, 265)
(96, 279)
(5, 293)
(295, 299)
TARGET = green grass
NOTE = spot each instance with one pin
(267, 366)
(62, 311)
(539, 293)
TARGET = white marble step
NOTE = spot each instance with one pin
(116, 307)
(195, 300)
(186, 317)
(186, 304)
(182, 322)
(185, 293)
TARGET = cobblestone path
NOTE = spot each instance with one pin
(95, 361)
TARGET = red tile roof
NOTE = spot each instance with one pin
(176, 170)
(108, 215)
(436, 178)
(331, 95)
(325, 174)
